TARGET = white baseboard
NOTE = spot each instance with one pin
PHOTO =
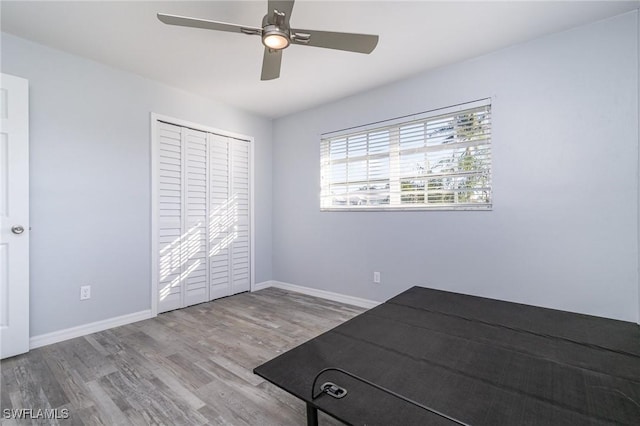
(329, 295)
(83, 330)
(263, 284)
(94, 327)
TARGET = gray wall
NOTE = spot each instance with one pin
(564, 229)
(563, 232)
(90, 181)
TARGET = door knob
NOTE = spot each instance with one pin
(17, 229)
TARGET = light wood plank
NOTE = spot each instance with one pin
(190, 367)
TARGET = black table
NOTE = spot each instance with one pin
(429, 357)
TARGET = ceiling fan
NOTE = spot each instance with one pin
(277, 35)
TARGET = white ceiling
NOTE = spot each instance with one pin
(414, 36)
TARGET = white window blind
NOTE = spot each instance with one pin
(430, 161)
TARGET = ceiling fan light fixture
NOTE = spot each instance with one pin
(276, 35)
(275, 38)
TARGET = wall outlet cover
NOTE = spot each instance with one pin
(85, 292)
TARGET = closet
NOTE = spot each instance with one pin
(202, 215)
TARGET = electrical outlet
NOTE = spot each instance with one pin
(376, 277)
(85, 292)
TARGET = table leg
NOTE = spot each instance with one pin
(312, 415)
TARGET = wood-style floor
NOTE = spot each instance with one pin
(187, 367)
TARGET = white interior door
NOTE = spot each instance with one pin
(14, 216)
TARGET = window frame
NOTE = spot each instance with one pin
(394, 176)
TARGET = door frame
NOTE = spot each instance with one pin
(155, 118)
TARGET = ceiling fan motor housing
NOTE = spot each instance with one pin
(275, 37)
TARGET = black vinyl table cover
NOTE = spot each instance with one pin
(477, 361)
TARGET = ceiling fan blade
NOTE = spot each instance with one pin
(271, 64)
(361, 43)
(282, 6)
(208, 25)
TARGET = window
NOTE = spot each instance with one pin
(436, 160)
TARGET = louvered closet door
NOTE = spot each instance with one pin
(240, 248)
(170, 223)
(194, 250)
(203, 216)
(221, 218)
